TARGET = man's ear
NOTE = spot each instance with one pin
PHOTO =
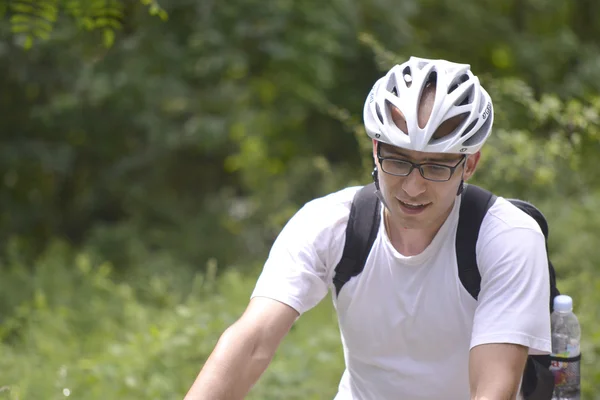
(374, 149)
(471, 164)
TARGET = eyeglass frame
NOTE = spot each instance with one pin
(418, 166)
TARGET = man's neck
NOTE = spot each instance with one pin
(411, 242)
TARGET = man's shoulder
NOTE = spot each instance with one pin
(340, 196)
(326, 213)
(510, 238)
(505, 218)
(510, 216)
(340, 199)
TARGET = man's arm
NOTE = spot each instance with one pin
(512, 317)
(495, 371)
(244, 351)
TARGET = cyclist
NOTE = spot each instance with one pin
(409, 328)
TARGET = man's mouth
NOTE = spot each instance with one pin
(413, 206)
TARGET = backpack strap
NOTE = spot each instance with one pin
(474, 205)
(361, 231)
(538, 381)
(539, 217)
(534, 212)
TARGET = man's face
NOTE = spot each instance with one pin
(413, 201)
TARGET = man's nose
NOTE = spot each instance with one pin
(414, 184)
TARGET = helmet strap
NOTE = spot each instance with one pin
(375, 175)
(461, 187)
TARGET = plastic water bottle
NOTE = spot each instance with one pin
(566, 337)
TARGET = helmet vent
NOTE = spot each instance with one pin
(431, 79)
(465, 98)
(481, 134)
(448, 126)
(378, 110)
(457, 82)
(469, 128)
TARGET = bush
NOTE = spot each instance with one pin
(73, 327)
(78, 333)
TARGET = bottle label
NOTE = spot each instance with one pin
(566, 369)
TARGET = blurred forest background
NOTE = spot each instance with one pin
(151, 152)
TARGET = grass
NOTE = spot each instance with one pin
(71, 330)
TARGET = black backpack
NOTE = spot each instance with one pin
(363, 225)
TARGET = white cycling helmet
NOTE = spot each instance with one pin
(457, 93)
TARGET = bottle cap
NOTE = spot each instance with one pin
(563, 303)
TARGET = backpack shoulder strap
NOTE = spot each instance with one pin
(539, 217)
(361, 231)
(538, 381)
(475, 203)
(534, 212)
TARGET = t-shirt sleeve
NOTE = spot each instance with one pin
(513, 304)
(299, 269)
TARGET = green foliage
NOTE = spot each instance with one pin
(189, 142)
(78, 332)
(205, 132)
(35, 19)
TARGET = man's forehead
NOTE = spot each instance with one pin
(416, 155)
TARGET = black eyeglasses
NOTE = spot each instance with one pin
(430, 171)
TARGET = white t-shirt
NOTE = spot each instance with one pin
(407, 323)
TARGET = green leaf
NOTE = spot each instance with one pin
(49, 14)
(155, 9)
(28, 42)
(19, 28)
(23, 8)
(20, 18)
(108, 37)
